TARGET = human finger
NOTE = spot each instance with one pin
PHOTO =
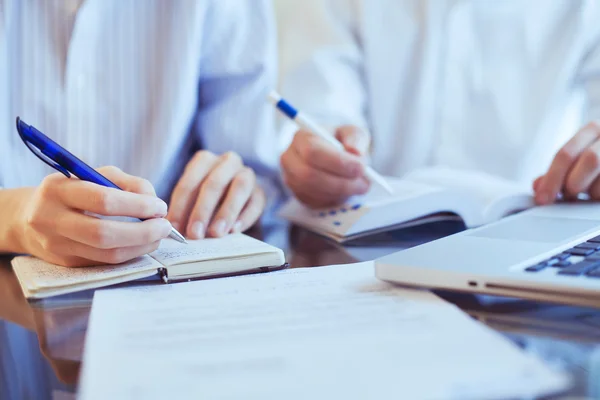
(536, 183)
(127, 182)
(109, 234)
(77, 254)
(310, 198)
(238, 194)
(306, 178)
(554, 180)
(585, 170)
(87, 196)
(186, 191)
(594, 190)
(315, 151)
(354, 139)
(251, 211)
(212, 191)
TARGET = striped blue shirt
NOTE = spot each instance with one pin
(137, 84)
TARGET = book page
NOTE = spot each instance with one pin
(498, 196)
(330, 332)
(488, 188)
(340, 219)
(172, 252)
(36, 273)
(403, 189)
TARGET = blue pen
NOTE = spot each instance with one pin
(63, 161)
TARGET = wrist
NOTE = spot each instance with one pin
(12, 217)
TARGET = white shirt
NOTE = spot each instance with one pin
(137, 84)
(471, 84)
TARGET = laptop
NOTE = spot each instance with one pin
(549, 253)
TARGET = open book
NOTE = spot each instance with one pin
(423, 196)
(173, 261)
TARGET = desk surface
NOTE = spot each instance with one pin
(41, 346)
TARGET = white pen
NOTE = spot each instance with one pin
(306, 123)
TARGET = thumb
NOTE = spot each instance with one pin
(355, 140)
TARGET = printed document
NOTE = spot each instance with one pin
(312, 333)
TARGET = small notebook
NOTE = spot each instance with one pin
(173, 261)
(423, 196)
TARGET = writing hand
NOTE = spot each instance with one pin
(55, 224)
(321, 175)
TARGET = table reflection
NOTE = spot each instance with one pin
(28, 368)
(41, 343)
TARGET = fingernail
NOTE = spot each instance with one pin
(364, 186)
(354, 150)
(198, 230)
(237, 227)
(350, 141)
(160, 208)
(219, 227)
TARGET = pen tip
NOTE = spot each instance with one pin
(177, 236)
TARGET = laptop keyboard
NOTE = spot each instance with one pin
(581, 260)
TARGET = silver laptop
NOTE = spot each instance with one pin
(548, 253)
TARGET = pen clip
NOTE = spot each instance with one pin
(38, 153)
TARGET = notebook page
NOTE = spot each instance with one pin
(171, 252)
(36, 273)
(331, 332)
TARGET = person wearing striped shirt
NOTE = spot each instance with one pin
(169, 95)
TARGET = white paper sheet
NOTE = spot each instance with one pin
(332, 332)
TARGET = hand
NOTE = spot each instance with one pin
(54, 225)
(574, 170)
(321, 175)
(215, 196)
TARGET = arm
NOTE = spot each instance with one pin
(588, 73)
(322, 69)
(11, 207)
(576, 167)
(238, 68)
(322, 62)
(234, 124)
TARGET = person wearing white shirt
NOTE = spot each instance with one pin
(469, 84)
(170, 92)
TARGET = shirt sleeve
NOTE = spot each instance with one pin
(322, 62)
(4, 12)
(588, 74)
(6, 9)
(3, 18)
(238, 69)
